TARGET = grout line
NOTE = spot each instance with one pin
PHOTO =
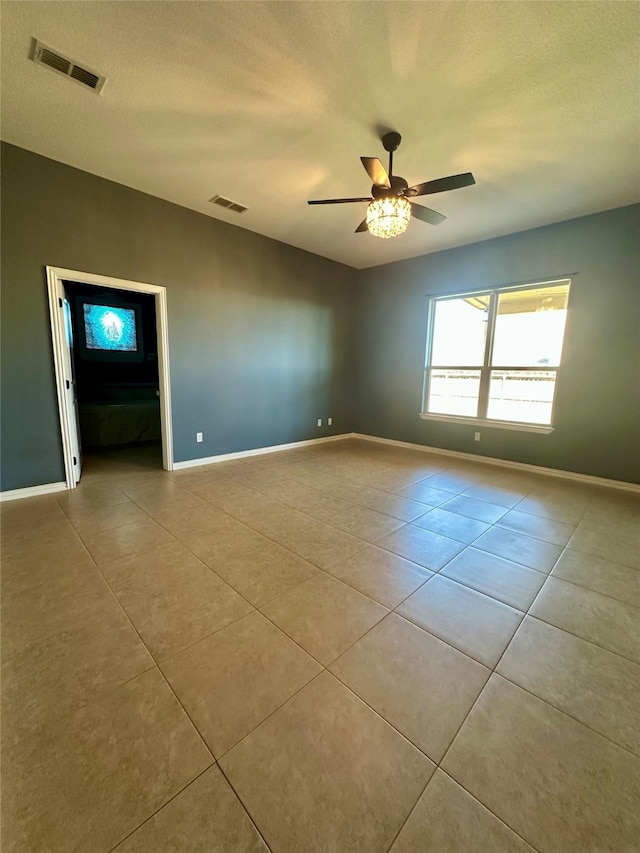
(274, 711)
(135, 629)
(501, 820)
(567, 714)
(247, 812)
(160, 808)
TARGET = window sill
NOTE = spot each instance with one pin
(450, 419)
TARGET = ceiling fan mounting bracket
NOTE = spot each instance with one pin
(391, 141)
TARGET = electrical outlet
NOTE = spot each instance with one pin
(330, 422)
(198, 436)
(476, 436)
(319, 421)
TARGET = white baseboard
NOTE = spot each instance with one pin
(506, 463)
(51, 488)
(259, 451)
(33, 491)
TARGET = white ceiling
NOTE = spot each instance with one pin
(272, 103)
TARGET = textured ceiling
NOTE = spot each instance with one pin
(272, 103)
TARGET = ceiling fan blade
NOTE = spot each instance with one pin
(376, 171)
(442, 185)
(362, 227)
(426, 214)
(338, 200)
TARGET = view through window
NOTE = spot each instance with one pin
(495, 355)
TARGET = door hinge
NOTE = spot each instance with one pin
(59, 301)
(75, 461)
(68, 384)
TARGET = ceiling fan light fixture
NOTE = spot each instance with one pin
(388, 217)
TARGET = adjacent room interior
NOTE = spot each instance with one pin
(115, 373)
(347, 555)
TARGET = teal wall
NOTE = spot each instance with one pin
(258, 330)
(265, 338)
(597, 412)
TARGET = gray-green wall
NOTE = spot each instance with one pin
(597, 412)
(258, 331)
(265, 338)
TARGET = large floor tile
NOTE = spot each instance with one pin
(509, 582)
(93, 519)
(172, 598)
(619, 543)
(567, 508)
(447, 819)
(89, 780)
(398, 507)
(616, 504)
(494, 494)
(37, 509)
(390, 480)
(33, 614)
(472, 508)
(324, 616)
(424, 493)
(530, 552)
(599, 618)
(60, 673)
(230, 682)
(422, 546)
(154, 496)
(451, 481)
(471, 622)
(547, 529)
(211, 538)
(92, 494)
(23, 537)
(595, 686)
(381, 575)
(206, 817)
(179, 520)
(325, 773)
(420, 685)
(364, 523)
(60, 567)
(599, 575)
(256, 567)
(319, 543)
(230, 496)
(558, 784)
(107, 545)
(451, 524)
(345, 514)
(302, 497)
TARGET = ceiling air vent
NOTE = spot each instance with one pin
(226, 202)
(43, 55)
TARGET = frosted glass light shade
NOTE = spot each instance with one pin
(388, 217)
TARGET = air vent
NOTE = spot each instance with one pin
(226, 202)
(43, 55)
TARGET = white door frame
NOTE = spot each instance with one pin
(56, 276)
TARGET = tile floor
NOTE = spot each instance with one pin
(347, 647)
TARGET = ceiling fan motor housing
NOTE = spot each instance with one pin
(398, 188)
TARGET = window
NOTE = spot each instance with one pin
(493, 356)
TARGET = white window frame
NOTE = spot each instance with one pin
(486, 368)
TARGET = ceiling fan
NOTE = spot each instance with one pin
(389, 207)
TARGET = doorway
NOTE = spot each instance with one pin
(111, 359)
